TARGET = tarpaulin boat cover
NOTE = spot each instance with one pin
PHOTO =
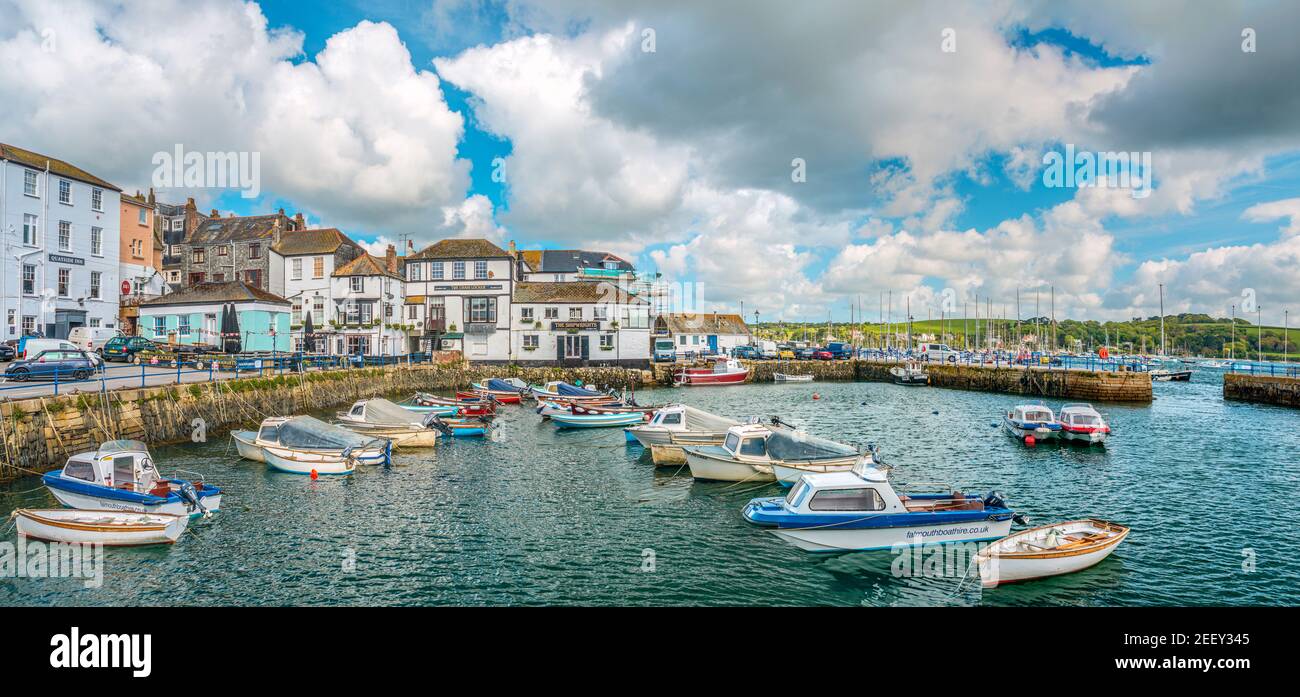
(700, 420)
(383, 412)
(501, 385)
(788, 445)
(564, 389)
(310, 433)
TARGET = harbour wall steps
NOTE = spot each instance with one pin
(39, 434)
(1265, 389)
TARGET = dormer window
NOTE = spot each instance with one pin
(355, 283)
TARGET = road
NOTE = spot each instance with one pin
(114, 376)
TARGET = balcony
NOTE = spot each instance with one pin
(436, 325)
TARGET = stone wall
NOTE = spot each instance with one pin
(1266, 389)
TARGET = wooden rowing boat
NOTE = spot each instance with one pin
(1049, 550)
(113, 528)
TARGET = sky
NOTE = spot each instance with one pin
(799, 159)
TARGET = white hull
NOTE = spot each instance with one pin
(862, 539)
(285, 461)
(648, 435)
(1096, 437)
(789, 476)
(365, 456)
(113, 528)
(782, 377)
(247, 448)
(87, 502)
(717, 470)
(401, 437)
(1008, 560)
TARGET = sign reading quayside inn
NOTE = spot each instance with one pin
(64, 259)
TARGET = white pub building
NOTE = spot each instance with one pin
(59, 246)
(458, 294)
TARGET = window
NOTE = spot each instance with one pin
(137, 248)
(530, 341)
(483, 310)
(218, 277)
(412, 311)
(297, 313)
(413, 272)
(65, 279)
(457, 270)
(600, 313)
(29, 279)
(388, 311)
(97, 241)
(255, 251)
(159, 326)
(526, 314)
(97, 200)
(480, 269)
(436, 274)
(94, 283)
(65, 191)
(681, 339)
(142, 218)
(846, 500)
(551, 313)
(672, 419)
(575, 313)
(754, 446)
(199, 255)
(196, 277)
(29, 229)
(29, 325)
(65, 236)
(178, 224)
(607, 342)
(318, 311)
(29, 183)
(223, 250)
(253, 277)
(94, 322)
(295, 269)
(318, 267)
(355, 284)
(183, 325)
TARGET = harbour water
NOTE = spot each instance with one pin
(541, 516)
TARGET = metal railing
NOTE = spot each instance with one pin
(1284, 370)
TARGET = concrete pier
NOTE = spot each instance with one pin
(1265, 389)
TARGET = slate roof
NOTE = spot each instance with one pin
(571, 260)
(460, 249)
(57, 167)
(574, 292)
(238, 229)
(366, 265)
(317, 241)
(207, 293)
(704, 323)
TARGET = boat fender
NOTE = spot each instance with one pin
(994, 500)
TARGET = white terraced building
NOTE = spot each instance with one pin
(579, 323)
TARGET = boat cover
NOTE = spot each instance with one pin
(501, 385)
(310, 433)
(382, 412)
(797, 446)
(700, 420)
(564, 389)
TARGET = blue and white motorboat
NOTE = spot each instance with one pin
(571, 420)
(859, 510)
(121, 476)
(1034, 421)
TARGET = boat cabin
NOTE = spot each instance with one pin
(1081, 415)
(670, 418)
(747, 442)
(1032, 413)
(118, 464)
(269, 431)
(866, 488)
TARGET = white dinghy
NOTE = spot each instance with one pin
(112, 528)
(1048, 550)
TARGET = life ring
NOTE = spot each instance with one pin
(1103, 353)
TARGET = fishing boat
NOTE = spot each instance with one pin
(571, 420)
(559, 390)
(449, 406)
(680, 419)
(121, 476)
(298, 441)
(434, 409)
(1048, 550)
(859, 510)
(909, 374)
(1080, 422)
(787, 377)
(614, 408)
(110, 528)
(467, 427)
(725, 371)
(1031, 423)
(1166, 375)
(751, 451)
(505, 390)
(502, 397)
(380, 417)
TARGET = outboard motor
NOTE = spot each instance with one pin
(994, 500)
(191, 498)
(428, 420)
(440, 425)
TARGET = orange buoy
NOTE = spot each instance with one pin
(314, 474)
(1029, 440)
(816, 396)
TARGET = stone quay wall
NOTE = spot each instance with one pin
(1265, 389)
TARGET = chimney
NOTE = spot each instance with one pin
(513, 251)
(189, 205)
(390, 259)
(215, 214)
(299, 222)
(275, 230)
(152, 200)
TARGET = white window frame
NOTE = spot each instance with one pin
(95, 278)
(436, 271)
(526, 314)
(97, 241)
(606, 342)
(413, 272)
(97, 200)
(29, 284)
(457, 270)
(65, 187)
(295, 269)
(64, 282)
(356, 284)
(531, 341)
(575, 313)
(65, 236)
(32, 225)
(31, 183)
(480, 269)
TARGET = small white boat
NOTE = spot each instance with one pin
(292, 462)
(1080, 422)
(380, 417)
(751, 451)
(299, 440)
(909, 374)
(679, 419)
(1031, 423)
(121, 475)
(786, 377)
(1048, 550)
(112, 528)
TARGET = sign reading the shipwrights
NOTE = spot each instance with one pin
(480, 286)
(561, 326)
(61, 259)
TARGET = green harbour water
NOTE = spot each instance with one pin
(540, 516)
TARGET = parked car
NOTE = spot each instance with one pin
(840, 350)
(91, 338)
(785, 354)
(31, 346)
(7, 352)
(805, 354)
(823, 355)
(937, 352)
(750, 352)
(63, 364)
(767, 349)
(124, 348)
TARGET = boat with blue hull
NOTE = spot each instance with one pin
(571, 420)
(1031, 423)
(121, 476)
(859, 510)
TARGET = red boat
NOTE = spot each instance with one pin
(502, 397)
(726, 371)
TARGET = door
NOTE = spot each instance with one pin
(713, 343)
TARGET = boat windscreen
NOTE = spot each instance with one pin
(382, 411)
(790, 445)
(311, 433)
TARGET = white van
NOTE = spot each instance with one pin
(939, 353)
(91, 338)
(767, 349)
(34, 346)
